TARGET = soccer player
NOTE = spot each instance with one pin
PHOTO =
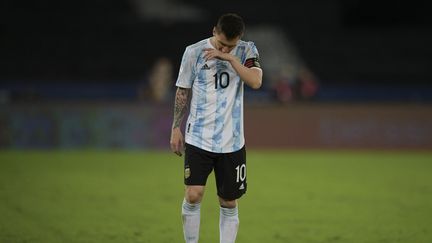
(214, 70)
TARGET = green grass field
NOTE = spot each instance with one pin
(293, 196)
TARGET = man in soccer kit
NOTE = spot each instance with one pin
(214, 70)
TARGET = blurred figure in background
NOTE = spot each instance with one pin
(287, 76)
(157, 90)
(294, 83)
(157, 87)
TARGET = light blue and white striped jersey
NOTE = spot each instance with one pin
(215, 121)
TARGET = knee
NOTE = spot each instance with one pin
(227, 203)
(194, 195)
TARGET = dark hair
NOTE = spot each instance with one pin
(231, 25)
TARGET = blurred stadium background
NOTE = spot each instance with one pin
(101, 73)
(86, 95)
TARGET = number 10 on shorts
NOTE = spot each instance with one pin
(241, 172)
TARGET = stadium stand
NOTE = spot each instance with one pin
(347, 45)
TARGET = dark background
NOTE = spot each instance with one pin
(359, 50)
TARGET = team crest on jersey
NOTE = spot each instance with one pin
(187, 173)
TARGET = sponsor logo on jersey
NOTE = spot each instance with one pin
(205, 67)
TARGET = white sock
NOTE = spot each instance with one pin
(191, 221)
(228, 224)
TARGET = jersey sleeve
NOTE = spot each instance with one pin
(187, 72)
(252, 56)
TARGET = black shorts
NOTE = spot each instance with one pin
(230, 170)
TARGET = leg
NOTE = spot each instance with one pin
(228, 221)
(194, 194)
(227, 203)
(230, 172)
(191, 213)
(198, 165)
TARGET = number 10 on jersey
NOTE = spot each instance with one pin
(221, 79)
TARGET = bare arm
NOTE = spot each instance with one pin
(251, 76)
(180, 107)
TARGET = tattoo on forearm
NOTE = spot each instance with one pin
(180, 106)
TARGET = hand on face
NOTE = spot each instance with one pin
(210, 53)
